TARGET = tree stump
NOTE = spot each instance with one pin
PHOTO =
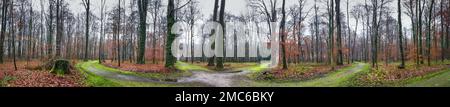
(61, 67)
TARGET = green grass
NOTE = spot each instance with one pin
(170, 75)
(336, 79)
(99, 81)
(92, 79)
(4, 81)
(189, 67)
(255, 68)
(354, 81)
(438, 79)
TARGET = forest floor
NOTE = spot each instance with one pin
(337, 78)
(247, 76)
(388, 75)
(27, 76)
(441, 79)
(94, 74)
(191, 75)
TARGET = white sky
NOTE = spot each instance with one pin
(232, 6)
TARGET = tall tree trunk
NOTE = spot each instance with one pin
(374, 35)
(58, 28)
(430, 17)
(2, 32)
(50, 30)
(331, 33)
(30, 32)
(420, 32)
(13, 34)
(350, 53)
(400, 33)
(102, 31)
(339, 32)
(222, 22)
(316, 29)
(118, 35)
(170, 59)
(87, 6)
(142, 4)
(443, 40)
(216, 8)
(155, 14)
(283, 35)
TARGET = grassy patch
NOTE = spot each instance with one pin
(390, 76)
(189, 67)
(99, 81)
(335, 79)
(169, 75)
(92, 79)
(296, 72)
(438, 79)
(4, 81)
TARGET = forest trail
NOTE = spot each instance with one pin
(115, 75)
(239, 79)
(215, 79)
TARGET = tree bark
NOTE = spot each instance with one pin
(400, 33)
(222, 22)
(339, 33)
(142, 4)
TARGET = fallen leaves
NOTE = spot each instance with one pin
(297, 72)
(390, 75)
(37, 78)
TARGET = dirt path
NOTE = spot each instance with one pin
(230, 79)
(200, 77)
(215, 79)
(118, 76)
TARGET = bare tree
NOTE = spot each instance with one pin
(2, 32)
(155, 10)
(428, 42)
(142, 5)
(283, 35)
(214, 18)
(102, 31)
(87, 6)
(222, 22)
(192, 16)
(59, 27)
(171, 10)
(339, 33)
(400, 33)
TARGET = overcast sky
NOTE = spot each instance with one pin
(232, 6)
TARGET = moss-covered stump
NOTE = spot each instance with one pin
(61, 67)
